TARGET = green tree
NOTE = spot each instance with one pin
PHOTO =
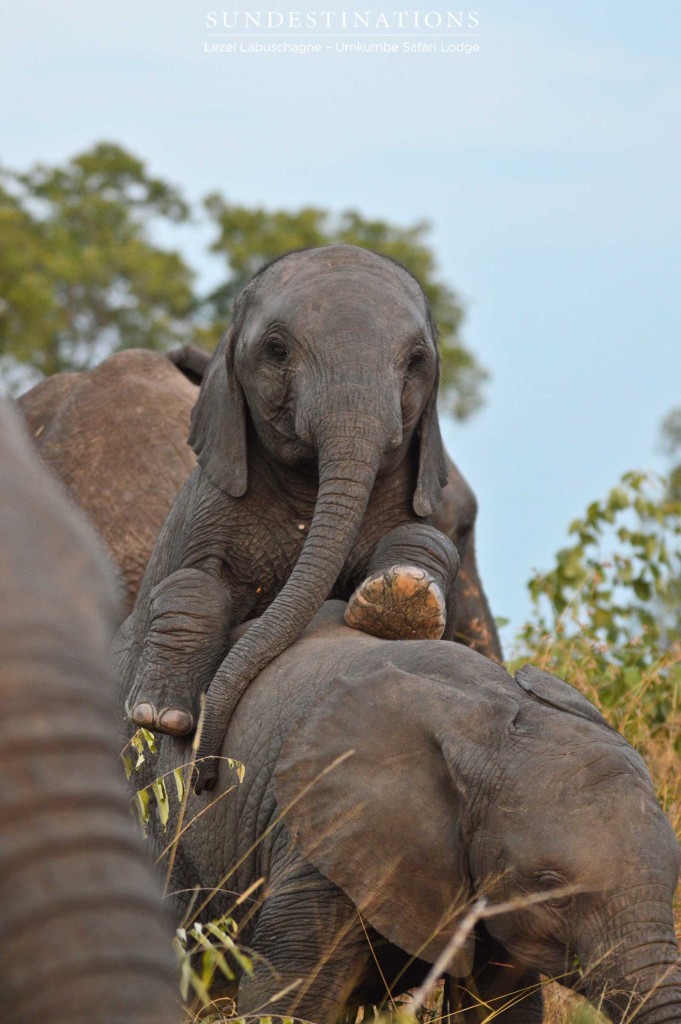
(79, 274)
(670, 432)
(248, 238)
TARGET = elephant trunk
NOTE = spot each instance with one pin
(638, 976)
(663, 1005)
(349, 459)
(649, 993)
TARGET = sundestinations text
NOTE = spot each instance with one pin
(342, 19)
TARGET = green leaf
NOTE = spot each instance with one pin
(179, 783)
(158, 787)
(150, 740)
(142, 804)
(618, 499)
(137, 742)
(642, 589)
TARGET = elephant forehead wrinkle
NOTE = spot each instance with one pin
(342, 318)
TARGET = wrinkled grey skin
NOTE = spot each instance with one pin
(317, 436)
(462, 781)
(116, 436)
(82, 934)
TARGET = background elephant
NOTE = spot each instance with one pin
(82, 934)
(461, 780)
(116, 435)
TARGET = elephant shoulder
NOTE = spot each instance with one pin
(41, 404)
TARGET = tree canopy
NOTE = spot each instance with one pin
(79, 274)
(83, 274)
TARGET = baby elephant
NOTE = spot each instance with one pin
(320, 464)
(387, 787)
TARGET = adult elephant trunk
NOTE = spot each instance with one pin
(638, 974)
(349, 458)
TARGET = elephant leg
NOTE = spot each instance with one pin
(186, 641)
(496, 990)
(514, 996)
(309, 951)
(408, 592)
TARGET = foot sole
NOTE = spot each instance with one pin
(400, 603)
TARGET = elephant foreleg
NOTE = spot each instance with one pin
(309, 949)
(497, 990)
(186, 641)
(408, 592)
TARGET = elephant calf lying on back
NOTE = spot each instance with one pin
(388, 784)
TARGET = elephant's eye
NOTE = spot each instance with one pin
(548, 881)
(416, 362)
(276, 350)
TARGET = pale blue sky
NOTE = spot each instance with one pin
(548, 164)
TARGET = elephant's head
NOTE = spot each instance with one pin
(601, 833)
(463, 783)
(330, 367)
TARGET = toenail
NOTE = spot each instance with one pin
(143, 714)
(176, 722)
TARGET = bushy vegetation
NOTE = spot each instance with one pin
(606, 617)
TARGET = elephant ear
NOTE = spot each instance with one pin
(432, 463)
(218, 427)
(368, 798)
(556, 693)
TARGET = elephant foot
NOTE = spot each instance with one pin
(402, 602)
(185, 642)
(174, 721)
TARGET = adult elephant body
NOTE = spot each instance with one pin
(386, 786)
(82, 934)
(116, 436)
